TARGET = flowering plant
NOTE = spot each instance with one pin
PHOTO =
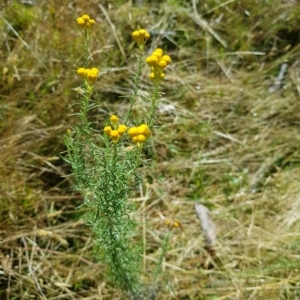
(105, 171)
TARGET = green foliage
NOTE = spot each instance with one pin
(105, 168)
(103, 176)
(20, 16)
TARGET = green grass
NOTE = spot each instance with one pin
(222, 140)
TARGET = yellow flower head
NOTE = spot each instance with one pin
(86, 23)
(158, 54)
(162, 64)
(141, 36)
(152, 60)
(140, 138)
(144, 129)
(122, 129)
(167, 222)
(92, 74)
(89, 74)
(80, 22)
(157, 63)
(114, 119)
(176, 224)
(166, 58)
(173, 224)
(132, 132)
(136, 35)
(81, 72)
(92, 22)
(86, 18)
(107, 130)
(139, 134)
(152, 76)
(142, 33)
(114, 134)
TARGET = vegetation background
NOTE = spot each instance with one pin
(225, 139)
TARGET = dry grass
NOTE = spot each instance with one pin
(225, 141)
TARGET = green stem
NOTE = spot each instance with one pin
(138, 159)
(115, 156)
(87, 38)
(137, 81)
(154, 103)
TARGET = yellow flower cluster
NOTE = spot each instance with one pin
(173, 224)
(141, 36)
(157, 62)
(89, 74)
(115, 131)
(86, 22)
(139, 134)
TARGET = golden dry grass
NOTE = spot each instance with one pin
(223, 141)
